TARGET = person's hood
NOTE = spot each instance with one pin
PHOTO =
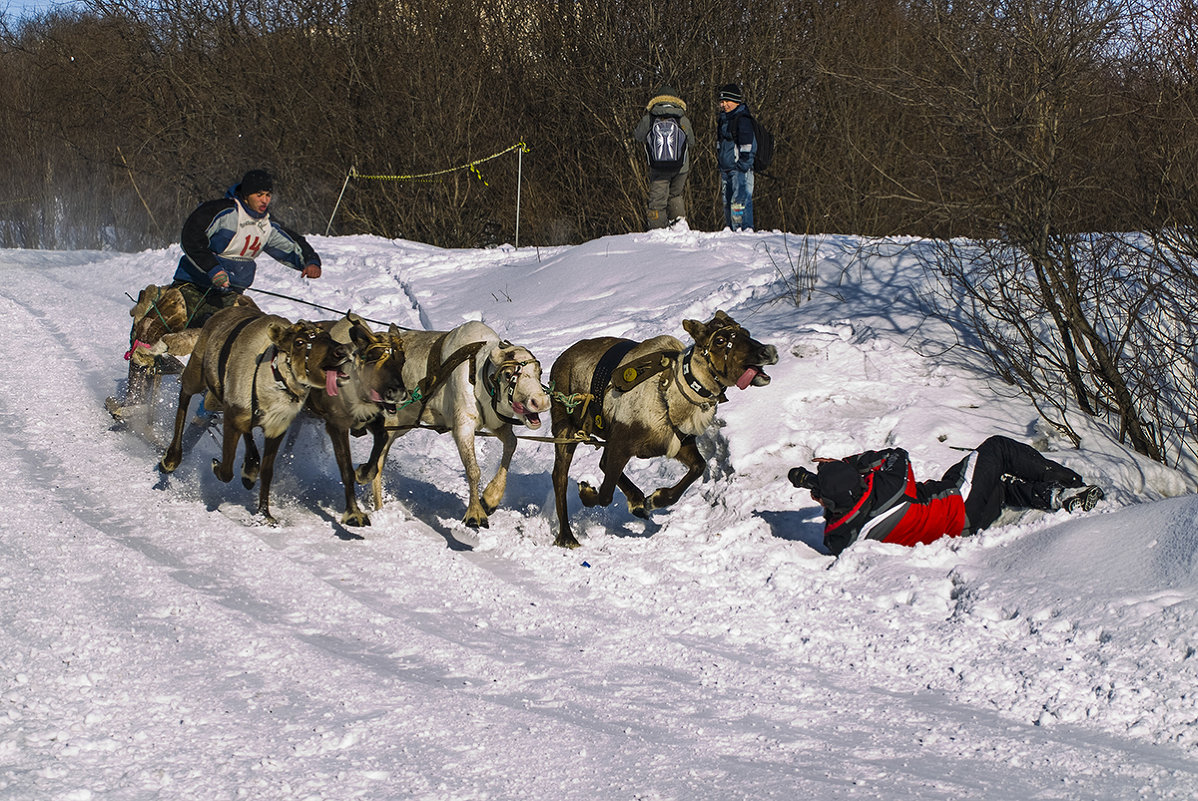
(666, 101)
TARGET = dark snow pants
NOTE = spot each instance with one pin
(1004, 473)
(666, 202)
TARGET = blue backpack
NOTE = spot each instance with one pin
(666, 144)
(764, 156)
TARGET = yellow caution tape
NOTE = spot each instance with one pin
(470, 165)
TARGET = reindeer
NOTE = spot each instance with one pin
(467, 380)
(606, 384)
(372, 389)
(258, 369)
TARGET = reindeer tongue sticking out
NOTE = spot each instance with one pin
(531, 419)
(746, 379)
(330, 382)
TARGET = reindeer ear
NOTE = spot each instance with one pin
(500, 354)
(281, 334)
(694, 328)
(361, 335)
(721, 316)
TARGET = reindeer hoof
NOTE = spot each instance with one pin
(639, 510)
(364, 475)
(588, 494)
(477, 522)
(355, 519)
(566, 541)
(217, 471)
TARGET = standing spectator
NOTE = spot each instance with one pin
(736, 148)
(667, 134)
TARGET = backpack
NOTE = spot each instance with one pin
(665, 144)
(765, 146)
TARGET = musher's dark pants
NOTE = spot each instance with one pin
(202, 303)
(1008, 473)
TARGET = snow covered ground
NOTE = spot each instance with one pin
(156, 643)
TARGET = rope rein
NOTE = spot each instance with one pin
(571, 402)
(318, 306)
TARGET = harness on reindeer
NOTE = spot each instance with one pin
(609, 373)
(437, 372)
(272, 354)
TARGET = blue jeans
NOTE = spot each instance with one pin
(738, 198)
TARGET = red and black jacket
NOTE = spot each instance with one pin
(894, 507)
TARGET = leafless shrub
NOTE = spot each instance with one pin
(1122, 350)
(891, 116)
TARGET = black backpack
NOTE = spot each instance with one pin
(665, 144)
(765, 146)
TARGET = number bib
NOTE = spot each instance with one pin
(250, 237)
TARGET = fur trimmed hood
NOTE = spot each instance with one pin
(668, 100)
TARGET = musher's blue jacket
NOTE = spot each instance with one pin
(225, 235)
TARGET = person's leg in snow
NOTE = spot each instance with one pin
(1010, 473)
(746, 220)
(676, 205)
(738, 198)
(659, 194)
(728, 191)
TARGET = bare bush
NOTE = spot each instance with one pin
(1107, 336)
(892, 116)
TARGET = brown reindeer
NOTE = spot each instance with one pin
(467, 380)
(645, 400)
(258, 369)
(158, 337)
(372, 388)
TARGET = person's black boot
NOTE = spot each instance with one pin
(1081, 501)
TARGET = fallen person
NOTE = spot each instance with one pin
(874, 495)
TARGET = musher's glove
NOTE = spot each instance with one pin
(221, 279)
(803, 478)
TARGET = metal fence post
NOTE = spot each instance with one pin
(519, 182)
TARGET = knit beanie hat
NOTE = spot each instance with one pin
(255, 181)
(731, 91)
(840, 485)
